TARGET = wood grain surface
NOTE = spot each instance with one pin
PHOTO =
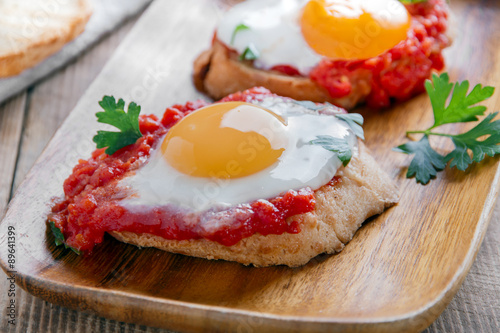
(442, 207)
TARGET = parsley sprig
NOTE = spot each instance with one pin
(481, 140)
(340, 146)
(127, 122)
(250, 53)
(354, 120)
(59, 237)
(240, 27)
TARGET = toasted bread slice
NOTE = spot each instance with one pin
(218, 72)
(362, 190)
(32, 30)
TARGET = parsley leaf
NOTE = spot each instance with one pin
(460, 157)
(340, 146)
(239, 27)
(311, 105)
(250, 53)
(354, 120)
(127, 122)
(480, 141)
(426, 163)
(59, 237)
(460, 108)
(57, 233)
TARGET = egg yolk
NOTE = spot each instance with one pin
(354, 29)
(225, 140)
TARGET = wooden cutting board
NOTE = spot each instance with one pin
(397, 274)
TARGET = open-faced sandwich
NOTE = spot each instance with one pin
(345, 52)
(32, 30)
(254, 178)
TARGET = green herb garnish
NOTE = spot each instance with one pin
(354, 120)
(239, 27)
(461, 108)
(312, 106)
(59, 237)
(127, 122)
(340, 146)
(250, 53)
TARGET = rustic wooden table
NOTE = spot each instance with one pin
(28, 121)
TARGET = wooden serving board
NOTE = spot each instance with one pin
(397, 274)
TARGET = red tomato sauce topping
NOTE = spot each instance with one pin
(91, 203)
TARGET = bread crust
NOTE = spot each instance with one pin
(218, 73)
(363, 190)
(22, 55)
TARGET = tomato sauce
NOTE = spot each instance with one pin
(91, 203)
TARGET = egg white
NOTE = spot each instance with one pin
(274, 30)
(301, 165)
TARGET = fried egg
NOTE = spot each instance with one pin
(233, 153)
(302, 32)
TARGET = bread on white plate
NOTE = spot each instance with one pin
(32, 30)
